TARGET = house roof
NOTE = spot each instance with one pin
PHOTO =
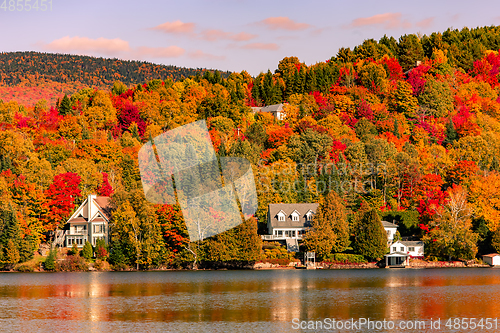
(397, 254)
(491, 255)
(272, 108)
(288, 209)
(412, 243)
(389, 224)
(103, 205)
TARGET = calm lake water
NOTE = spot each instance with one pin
(243, 301)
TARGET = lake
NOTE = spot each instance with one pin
(247, 301)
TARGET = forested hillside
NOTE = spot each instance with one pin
(408, 128)
(30, 76)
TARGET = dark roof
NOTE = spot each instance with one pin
(272, 108)
(412, 243)
(288, 209)
(389, 224)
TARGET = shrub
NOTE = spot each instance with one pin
(87, 251)
(25, 268)
(346, 258)
(72, 264)
(50, 261)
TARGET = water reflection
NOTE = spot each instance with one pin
(241, 300)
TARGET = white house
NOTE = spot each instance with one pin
(390, 230)
(414, 249)
(89, 222)
(401, 251)
(492, 259)
(276, 110)
(289, 222)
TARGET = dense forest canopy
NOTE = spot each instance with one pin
(408, 129)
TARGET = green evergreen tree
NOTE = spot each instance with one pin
(87, 251)
(396, 129)
(50, 261)
(11, 256)
(330, 228)
(371, 239)
(65, 106)
(451, 133)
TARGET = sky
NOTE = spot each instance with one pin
(232, 35)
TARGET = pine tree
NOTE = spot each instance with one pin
(50, 261)
(87, 251)
(451, 133)
(371, 240)
(330, 229)
(65, 106)
(396, 129)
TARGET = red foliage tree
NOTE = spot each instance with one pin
(61, 196)
(105, 189)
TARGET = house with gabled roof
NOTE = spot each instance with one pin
(89, 222)
(401, 251)
(276, 110)
(390, 230)
(289, 222)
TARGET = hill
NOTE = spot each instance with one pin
(50, 76)
(14, 66)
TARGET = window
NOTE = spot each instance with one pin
(402, 249)
(388, 232)
(411, 248)
(295, 217)
(279, 233)
(394, 249)
(70, 241)
(281, 217)
(98, 228)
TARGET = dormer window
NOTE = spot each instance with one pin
(295, 216)
(281, 216)
(309, 216)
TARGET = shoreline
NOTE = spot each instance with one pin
(268, 266)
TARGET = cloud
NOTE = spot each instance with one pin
(283, 23)
(85, 44)
(425, 23)
(387, 20)
(176, 27)
(198, 54)
(215, 34)
(261, 46)
(160, 52)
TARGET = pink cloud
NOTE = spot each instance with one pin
(425, 23)
(160, 52)
(85, 44)
(198, 54)
(242, 37)
(176, 27)
(261, 46)
(283, 23)
(387, 20)
(215, 34)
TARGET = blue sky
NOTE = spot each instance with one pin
(228, 35)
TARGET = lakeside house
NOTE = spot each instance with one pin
(401, 251)
(89, 222)
(288, 222)
(276, 110)
(390, 230)
(492, 259)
